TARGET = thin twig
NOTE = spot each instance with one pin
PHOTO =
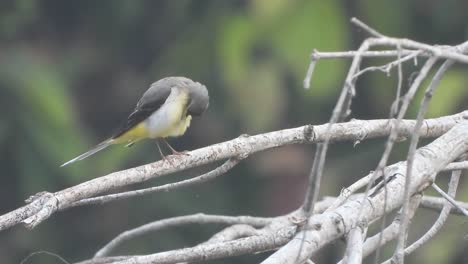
(437, 204)
(272, 237)
(405, 104)
(395, 105)
(231, 233)
(449, 53)
(321, 55)
(315, 174)
(225, 167)
(423, 49)
(316, 171)
(310, 70)
(343, 105)
(43, 252)
(399, 252)
(394, 109)
(367, 28)
(450, 199)
(348, 92)
(387, 67)
(440, 220)
(452, 190)
(362, 182)
(341, 108)
(176, 221)
(394, 131)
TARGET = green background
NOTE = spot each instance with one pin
(71, 71)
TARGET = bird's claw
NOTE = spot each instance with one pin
(179, 153)
(175, 154)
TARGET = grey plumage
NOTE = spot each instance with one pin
(158, 97)
(157, 94)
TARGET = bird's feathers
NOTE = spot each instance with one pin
(90, 152)
(151, 101)
(134, 128)
(157, 94)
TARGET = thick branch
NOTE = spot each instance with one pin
(268, 227)
(354, 245)
(324, 228)
(271, 237)
(45, 205)
(389, 233)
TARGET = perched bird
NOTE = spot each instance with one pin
(164, 110)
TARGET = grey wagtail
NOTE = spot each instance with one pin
(164, 110)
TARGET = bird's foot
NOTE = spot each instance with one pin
(175, 152)
(168, 159)
(180, 153)
(175, 155)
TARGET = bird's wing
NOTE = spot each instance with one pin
(151, 101)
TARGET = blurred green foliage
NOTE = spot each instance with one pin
(261, 48)
(70, 72)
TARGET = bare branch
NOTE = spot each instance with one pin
(246, 145)
(394, 136)
(399, 252)
(328, 226)
(390, 232)
(347, 192)
(343, 104)
(301, 233)
(353, 254)
(225, 167)
(461, 165)
(271, 237)
(369, 30)
(450, 53)
(310, 71)
(339, 111)
(440, 220)
(387, 67)
(396, 104)
(43, 252)
(242, 226)
(247, 227)
(319, 55)
(180, 220)
(452, 190)
(233, 232)
(428, 202)
(450, 199)
(437, 204)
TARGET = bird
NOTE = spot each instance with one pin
(165, 110)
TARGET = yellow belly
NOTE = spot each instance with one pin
(136, 133)
(171, 119)
(181, 127)
(168, 121)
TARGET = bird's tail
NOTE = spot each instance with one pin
(90, 152)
